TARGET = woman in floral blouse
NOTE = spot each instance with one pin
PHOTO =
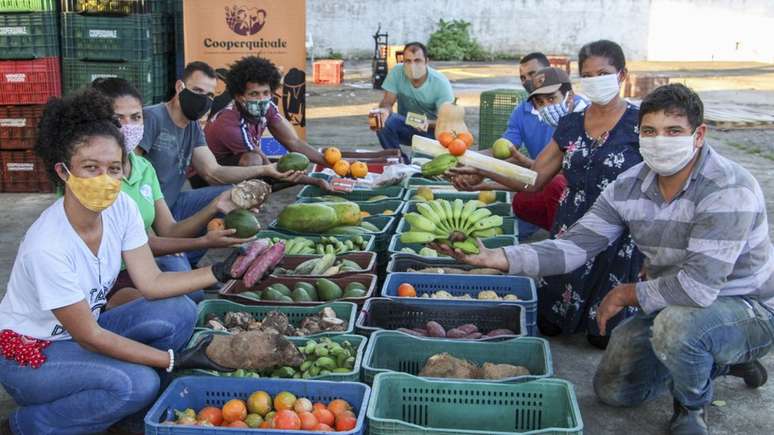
(590, 148)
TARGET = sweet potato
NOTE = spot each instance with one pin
(421, 331)
(410, 332)
(263, 264)
(444, 365)
(455, 333)
(434, 329)
(254, 350)
(499, 332)
(254, 249)
(473, 336)
(501, 371)
(468, 328)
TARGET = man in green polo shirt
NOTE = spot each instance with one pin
(416, 88)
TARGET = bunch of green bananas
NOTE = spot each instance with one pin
(456, 224)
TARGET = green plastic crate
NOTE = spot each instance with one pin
(422, 181)
(316, 238)
(393, 351)
(78, 73)
(392, 192)
(491, 242)
(498, 208)
(29, 35)
(450, 195)
(358, 343)
(408, 405)
(131, 38)
(386, 225)
(117, 7)
(161, 77)
(27, 6)
(495, 110)
(373, 208)
(510, 226)
(344, 310)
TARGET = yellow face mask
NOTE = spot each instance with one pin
(95, 193)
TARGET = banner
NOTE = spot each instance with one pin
(220, 32)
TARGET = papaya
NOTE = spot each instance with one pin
(243, 221)
(271, 294)
(282, 288)
(354, 293)
(327, 289)
(293, 162)
(301, 295)
(439, 165)
(354, 286)
(308, 218)
(347, 213)
(308, 288)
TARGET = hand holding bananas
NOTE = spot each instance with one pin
(455, 223)
(488, 258)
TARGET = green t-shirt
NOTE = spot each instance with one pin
(425, 99)
(143, 187)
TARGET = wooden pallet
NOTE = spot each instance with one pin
(732, 116)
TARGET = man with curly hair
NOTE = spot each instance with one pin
(234, 133)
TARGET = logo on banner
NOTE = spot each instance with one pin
(244, 20)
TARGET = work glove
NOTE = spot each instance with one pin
(222, 269)
(196, 358)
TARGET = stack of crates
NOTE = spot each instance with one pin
(496, 107)
(29, 76)
(131, 39)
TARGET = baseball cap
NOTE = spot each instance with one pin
(548, 80)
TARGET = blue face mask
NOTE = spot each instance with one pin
(258, 108)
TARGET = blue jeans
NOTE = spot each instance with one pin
(78, 391)
(179, 263)
(683, 349)
(395, 132)
(189, 203)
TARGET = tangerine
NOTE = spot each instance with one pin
(259, 403)
(407, 290)
(287, 419)
(331, 155)
(324, 416)
(466, 137)
(445, 138)
(211, 414)
(284, 400)
(234, 410)
(345, 420)
(338, 406)
(359, 170)
(457, 147)
(341, 168)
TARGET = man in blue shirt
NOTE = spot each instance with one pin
(416, 88)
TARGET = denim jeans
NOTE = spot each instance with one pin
(395, 132)
(179, 263)
(78, 391)
(682, 349)
(189, 203)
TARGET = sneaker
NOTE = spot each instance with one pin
(687, 421)
(753, 373)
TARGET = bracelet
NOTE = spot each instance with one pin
(171, 360)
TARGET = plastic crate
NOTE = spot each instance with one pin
(386, 225)
(328, 72)
(233, 289)
(366, 261)
(374, 208)
(29, 35)
(161, 79)
(490, 242)
(24, 172)
(499, 208)
(80, 73)
(358, 343)
(286, 236)
(390, 314)
(510, 226)
(199, 391)
(496, 107)
(392, 192)
(409, 405)
(422, 181)
(448, 193)
(344, 310)
(392, 351)
(27, 6)
(19, 126)
(89, 37)
(366, 155)
(29, 81)
(117, 7)
(402, 262)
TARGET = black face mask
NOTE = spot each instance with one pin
(194, 105)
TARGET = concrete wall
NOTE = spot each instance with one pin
(647, 29)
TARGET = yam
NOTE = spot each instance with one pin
(502, 371)
(455, 333)
(446, 366)
(468, 328)
(499, 332)
(434, 329)
(473, 336)
(254, 350)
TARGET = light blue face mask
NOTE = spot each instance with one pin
(258, 108)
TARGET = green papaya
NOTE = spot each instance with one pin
(243, 221)
(354, 286)
(282, 288)
(328, 290)
(307, 218)
(301, 295)
(293, 162)
(439, 165)
(271, 294)
(347, 213)
(308, 288)
(354, 293)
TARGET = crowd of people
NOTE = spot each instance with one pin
(658, 247)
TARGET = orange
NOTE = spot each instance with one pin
(341, 168)
(211, 414)
(331, 155)
(324, 416)
(445, 138)
(238, 423)
(284, 400)
(345, 421)
(308, 420)
(407, 290)
(359, 170)
(287, 419)
(322, 427)
(457, 147)
(234, 410)
(216, 224)
(466, 137)
(259, 403)
(338, 406)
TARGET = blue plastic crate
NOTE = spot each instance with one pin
(199, 391)
(459, 285)
(510, 226)
(272, 148)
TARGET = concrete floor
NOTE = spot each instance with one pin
(336, 115)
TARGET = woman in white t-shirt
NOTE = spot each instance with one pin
(71, 368)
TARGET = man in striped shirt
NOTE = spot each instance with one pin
(708, 299)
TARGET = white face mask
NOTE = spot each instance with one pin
(600, 89)
(414, 72)
(132, 135)
(666, 155)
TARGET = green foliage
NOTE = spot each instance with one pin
(334, 55)
(452, 41)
